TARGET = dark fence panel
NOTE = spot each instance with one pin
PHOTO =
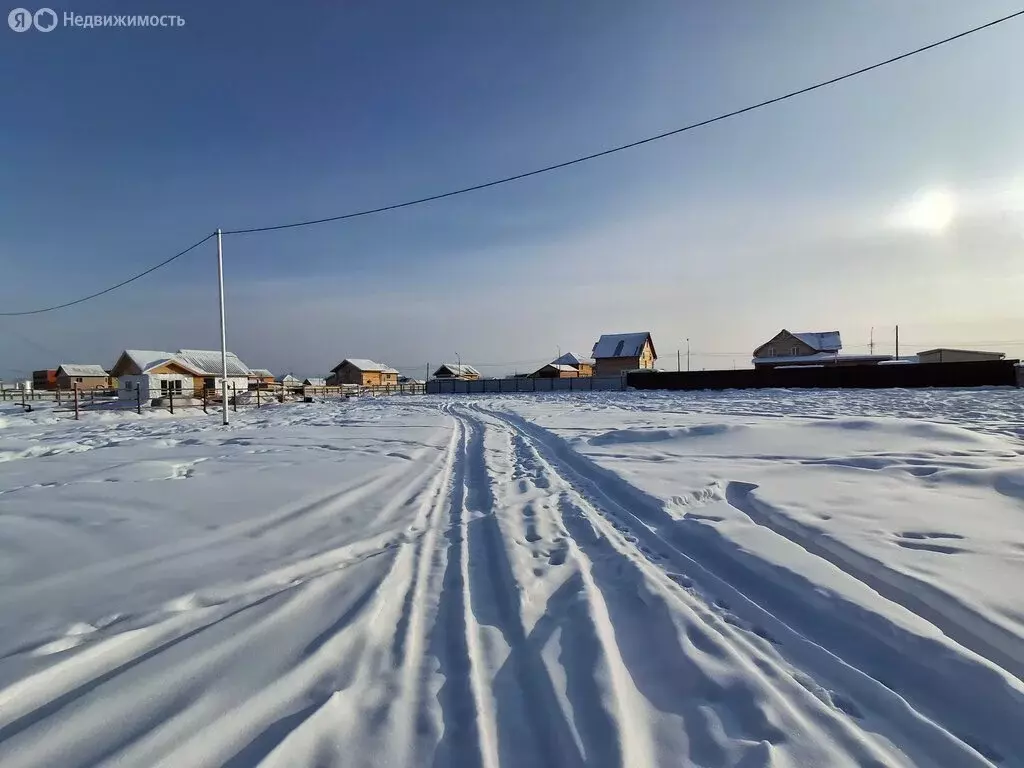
(975, 374)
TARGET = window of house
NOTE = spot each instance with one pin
(771, 352)
(794, 351)
(618, 348)
(79, 379)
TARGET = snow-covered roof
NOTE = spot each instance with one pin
(362, 364)
(209, 363)
(289, 379)
(570, 358)
(622, 345)
(77, 369)
(147, 359)
(823, 341)
(965, 351)
(261, 373)
(560, 367)
(457, 370)
(314, 381)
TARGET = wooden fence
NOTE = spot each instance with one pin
(209, 400)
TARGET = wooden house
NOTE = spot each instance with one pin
(362, 372)
(567, 366)
(260, 378)
(457, 371)
(615, 353)
(77, 376)
(813, 348)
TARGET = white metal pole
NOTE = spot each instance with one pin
(223, 330)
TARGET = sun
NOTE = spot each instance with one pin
(931, 211)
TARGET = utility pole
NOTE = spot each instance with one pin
(458, 362)
(223, 330)
(678, 364)
(871, 346)
(897, 342)
(687, 354)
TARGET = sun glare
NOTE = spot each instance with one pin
(931, 211)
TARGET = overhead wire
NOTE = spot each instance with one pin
(123, 283)
(537, 171)
(632, 144)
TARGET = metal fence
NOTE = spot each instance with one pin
(911, 375)
(526, 384)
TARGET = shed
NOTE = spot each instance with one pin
(949, 355)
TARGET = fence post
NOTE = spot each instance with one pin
(234, 398)
(76, 403)
(170, 396)
(138, 398)
(58, 395)
(204, 398)
(257, 396)
(23, 395)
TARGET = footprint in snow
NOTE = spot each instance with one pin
(558, 556)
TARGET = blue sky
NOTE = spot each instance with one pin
(896, 197)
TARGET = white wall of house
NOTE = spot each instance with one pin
(235, 384)
(149, 384)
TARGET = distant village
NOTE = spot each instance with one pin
(153, 374)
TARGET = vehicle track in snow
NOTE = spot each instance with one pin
(878, 671)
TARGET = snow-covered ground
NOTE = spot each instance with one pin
(623, 579)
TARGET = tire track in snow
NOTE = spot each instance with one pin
(521, 720)
(824, 637)
(664, 682)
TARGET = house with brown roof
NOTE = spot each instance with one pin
(616, 353)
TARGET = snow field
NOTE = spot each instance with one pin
(737, 579)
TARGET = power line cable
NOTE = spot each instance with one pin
(123, 283)
(538, 171)
(630, 145)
